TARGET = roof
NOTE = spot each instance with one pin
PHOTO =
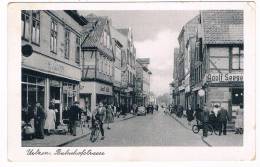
(123, 31)
(222, 26)
(92, 33)
(74, 14)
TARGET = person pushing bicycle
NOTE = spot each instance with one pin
(99, 114)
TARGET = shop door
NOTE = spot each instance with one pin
(55, 98)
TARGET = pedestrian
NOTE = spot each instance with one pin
(222, 118)
(50, 120)
(190, 116)
(213, 119)
(205, 120)
(118, 110)
(74, 117)
(134, 109)
(197, 114)
(109, 116)
(99, 114)
(88, 115)
(239, 120)
(40, 116)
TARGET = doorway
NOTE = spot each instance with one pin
(55, 98)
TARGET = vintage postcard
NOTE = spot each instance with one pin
(131, 81)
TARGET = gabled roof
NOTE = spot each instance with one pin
(92, 34)
(222, 26)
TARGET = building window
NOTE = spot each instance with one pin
(237, 58)
(33, 90)
(105, 38)
(77, 58)
(237, 96)
(36, 27)
(67, 43)
(54, 36)
(99, 65)
(25, 24)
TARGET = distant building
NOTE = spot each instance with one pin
(52, 72)
(143, 75)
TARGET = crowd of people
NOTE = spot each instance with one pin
(217, 116)
(38, 122)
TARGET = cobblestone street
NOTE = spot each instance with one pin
(150, 130)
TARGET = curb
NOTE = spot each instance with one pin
(70, 141)
(78, 138)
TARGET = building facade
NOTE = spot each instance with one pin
(188, 31)
(143, 75)
(222, 53)
(52, 72)
(119, 50)
(97, 63)
(129, 71)
(212, 72)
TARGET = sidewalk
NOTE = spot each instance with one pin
(60, 140)
(230, 139)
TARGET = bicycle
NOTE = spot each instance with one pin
(196, 128)
(95, 131)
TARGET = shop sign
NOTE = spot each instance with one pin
(55, 67)
(224, 77)
(104, 89)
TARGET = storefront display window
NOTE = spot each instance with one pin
(237, 96)
(33, 89)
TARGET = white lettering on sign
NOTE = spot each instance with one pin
(55, 67)
(224, 77)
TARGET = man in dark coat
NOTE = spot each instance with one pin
(205, 120)
(39, 117)
(222, 118)
(197, 114)
(74, 116)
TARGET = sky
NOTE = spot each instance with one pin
(155, 36)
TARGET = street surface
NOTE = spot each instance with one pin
(150, 130)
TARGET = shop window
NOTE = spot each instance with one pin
(67, 43)
(54, 33)
(36, 27)
(32, 91)
(237, 58)
(237, 96)
(25, 24)
(77, 58)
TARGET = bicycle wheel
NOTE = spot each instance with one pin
(210, 129)
(195, 129)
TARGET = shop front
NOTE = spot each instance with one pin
(226, 90)
(92, 93)
(46, 81)
(116, 96)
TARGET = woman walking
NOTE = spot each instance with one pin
(50, 120)
(109, 116)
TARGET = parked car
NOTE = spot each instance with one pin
(141, 110)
